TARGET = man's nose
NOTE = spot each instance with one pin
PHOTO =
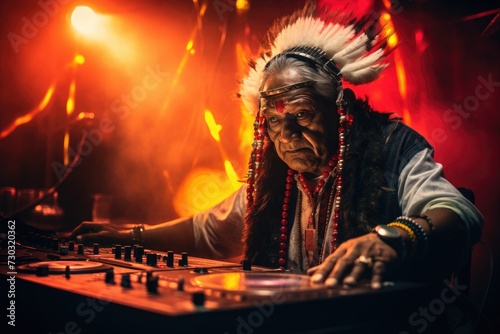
(290, 130)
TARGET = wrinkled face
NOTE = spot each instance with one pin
(301, 125)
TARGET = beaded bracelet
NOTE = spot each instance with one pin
(422, 239)
(413, 239)
(432, 228)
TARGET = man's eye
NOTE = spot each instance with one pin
(303, 115)
(304, 118)
(273, 120)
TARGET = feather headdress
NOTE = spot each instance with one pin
(342, 48)
(347, 48)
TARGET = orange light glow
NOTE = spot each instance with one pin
(106, 30)
(185, 58)
(232, 175)
(387, 4)
(246, 128)
(392, 41)
(189, 47)
(241, 57)
(215, 129)
(189, 52)
(79, 59)
(179, 71)
(30, 115)
(66, 148)
(70, 107)
(84, 19)
(401, 75)
(85, 115)
(202, 189)
(202, 9)
(70, 104)
(232, 281)
(242, 5)
(389, 32)
(402, 84)
(212, 125)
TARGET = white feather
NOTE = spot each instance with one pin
(250, 86)
(364, 75)
(302, 32)
(362, 63)
(338, 42)
(353, 51)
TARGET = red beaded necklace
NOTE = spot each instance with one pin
(310, 232)
(336, 160)
(253, 171)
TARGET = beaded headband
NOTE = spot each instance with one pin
(285, 89)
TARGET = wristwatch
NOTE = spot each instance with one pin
(391, 236)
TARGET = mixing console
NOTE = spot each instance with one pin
(65, 287)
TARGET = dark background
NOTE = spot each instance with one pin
(447, 47)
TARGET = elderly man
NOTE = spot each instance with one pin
(334, 189)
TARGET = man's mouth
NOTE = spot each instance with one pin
(296, 150)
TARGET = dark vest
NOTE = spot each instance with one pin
(402, 145)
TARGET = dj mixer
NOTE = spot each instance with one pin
(64, 287)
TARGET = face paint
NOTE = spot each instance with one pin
(280, 106)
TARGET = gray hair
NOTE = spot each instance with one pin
(324, 86)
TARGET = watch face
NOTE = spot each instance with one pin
(387, 232)
(391, 236)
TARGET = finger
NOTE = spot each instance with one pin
(340, 269)
(358, 270)
(83, 228)
(321, 272)
(311, 270)
(378, 272)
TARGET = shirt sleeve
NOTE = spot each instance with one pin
(218, 230)
(422, 187)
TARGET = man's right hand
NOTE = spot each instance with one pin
(103, 233)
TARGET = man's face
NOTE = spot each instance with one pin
(300, 124)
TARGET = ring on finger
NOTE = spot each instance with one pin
(368, 261)
(379, 259)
